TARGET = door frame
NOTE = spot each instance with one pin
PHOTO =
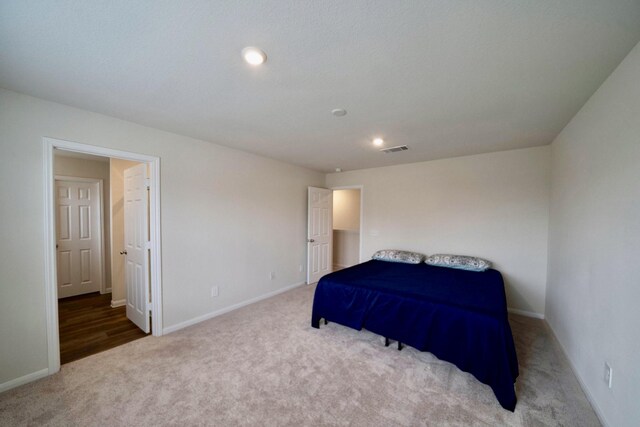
(103, 251)
(50, 277)
(361, 188)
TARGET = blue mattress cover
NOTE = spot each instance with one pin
(459, 316)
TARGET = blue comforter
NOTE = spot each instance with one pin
(459, 316)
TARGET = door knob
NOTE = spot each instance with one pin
(123, 252)
(310, 240)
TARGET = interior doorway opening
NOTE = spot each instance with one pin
(101, 205)
(347, 225)
(90, 254)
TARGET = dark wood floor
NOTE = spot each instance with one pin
(88, 325)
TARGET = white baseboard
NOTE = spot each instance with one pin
(526, 313)
(583, 386)
(24, 379)
(343, 265)
(216, 313)
(118, 303)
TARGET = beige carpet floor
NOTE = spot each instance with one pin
(264, 365)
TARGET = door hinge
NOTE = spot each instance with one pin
(147, 183)
(149, 308)
(147, 245)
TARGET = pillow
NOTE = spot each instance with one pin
(394, 255)
(461, 262)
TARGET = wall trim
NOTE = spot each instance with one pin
(526, 313)
(583, 385)
(24, 379)
(118, 303)
(233, 307)
(342, 265)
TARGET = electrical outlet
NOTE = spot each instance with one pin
(608, 374)
(272, 275)
(301, 268)
(214, 291)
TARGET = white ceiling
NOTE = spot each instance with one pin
(446, 78)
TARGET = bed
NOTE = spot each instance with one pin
(458, 316)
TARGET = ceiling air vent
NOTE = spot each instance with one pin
(394, 149)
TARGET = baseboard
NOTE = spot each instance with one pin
(24, 379)
(343, 265)
(216, 313)
(583, 386)
(526, 313)
(118, 303)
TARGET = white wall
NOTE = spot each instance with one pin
(116, 174)
(346, 248)
(346, 227)
(491, 205)
(346, 209)
(85, 168)
(228, 219)
(593, 290)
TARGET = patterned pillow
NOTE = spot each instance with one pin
(461, 262)
(393, 255)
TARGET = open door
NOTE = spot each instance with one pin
(319, 233)
(136, 242)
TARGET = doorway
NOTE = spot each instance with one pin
(90, 241)
(103, 310)
(347, 225)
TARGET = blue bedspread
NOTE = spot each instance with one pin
(459, 316)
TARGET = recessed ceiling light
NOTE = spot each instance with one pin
(254, 56)
(378, 142)
(339, 112)
(338, 170)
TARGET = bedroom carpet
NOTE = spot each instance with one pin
(263, 365)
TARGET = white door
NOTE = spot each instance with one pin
(79, 237)
(319, 233)
(136, 242)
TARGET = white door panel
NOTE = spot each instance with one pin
(64, 270)
(136, 236)
(320, 234)
(79, 239)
